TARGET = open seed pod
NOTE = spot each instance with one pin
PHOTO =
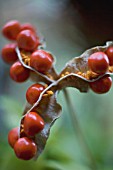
(49, 77)
(78, 66)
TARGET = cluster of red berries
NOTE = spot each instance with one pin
(26, 39)
(24, 147)
(99, 62)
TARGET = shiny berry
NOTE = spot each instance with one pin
(25, 148)
(109, 53)
(28, 26)
(98, 62)
(102, 85)
(27, 40)
(9, 54)
(33, 93)
(13, 136)
(41, 61)
(11, 29)
(18, 72)
(33, 123)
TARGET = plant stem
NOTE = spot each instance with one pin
(78, 130)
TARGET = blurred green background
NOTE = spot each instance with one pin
(70, 27)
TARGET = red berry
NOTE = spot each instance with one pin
(18, 72)
(28, 26)
(98, 62)
(33, 124)
(33, 93)
(9, 54)
(11, 29)
(102, 85)
(27, 40)
(109, 53)
(13, 136)
(41, 61)
(25, 148)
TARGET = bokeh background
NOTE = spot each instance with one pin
(70, 27)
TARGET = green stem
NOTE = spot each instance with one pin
(78, 130)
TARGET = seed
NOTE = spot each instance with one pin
(49, 92)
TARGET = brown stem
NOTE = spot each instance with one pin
(79, 131)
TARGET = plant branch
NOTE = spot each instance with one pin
(78, 130)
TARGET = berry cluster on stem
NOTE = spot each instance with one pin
(99, 63)
(24, 36)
